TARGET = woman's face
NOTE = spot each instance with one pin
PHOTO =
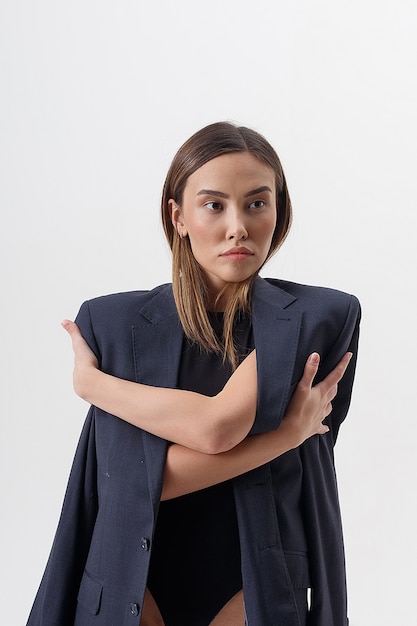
(229, 213)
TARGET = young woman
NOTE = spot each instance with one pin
(202, 505)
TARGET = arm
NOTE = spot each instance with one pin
(223, 420)
(188, 470)
(207, 424)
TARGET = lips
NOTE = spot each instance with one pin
(237, 252)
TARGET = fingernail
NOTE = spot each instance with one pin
(314, 358)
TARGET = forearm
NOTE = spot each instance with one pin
(187, 470)
(207, 424)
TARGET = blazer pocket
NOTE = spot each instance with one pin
(89, 594)
(297, 563)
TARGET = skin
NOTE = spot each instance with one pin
(228, 211)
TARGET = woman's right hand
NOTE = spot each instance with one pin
(311, 404)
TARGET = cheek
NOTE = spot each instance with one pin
(200, 239)
(204, 232)
(265, 231)
(196, 224)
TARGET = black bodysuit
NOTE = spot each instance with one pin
(195, 565)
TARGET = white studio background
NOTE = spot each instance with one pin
(96, 96)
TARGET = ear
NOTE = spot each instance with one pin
(177, 218)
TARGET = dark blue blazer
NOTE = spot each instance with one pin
(97, 570)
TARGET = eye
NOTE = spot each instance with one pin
(213, 206)
(257, 204)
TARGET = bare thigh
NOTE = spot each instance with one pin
(151, 615)
(232, 614)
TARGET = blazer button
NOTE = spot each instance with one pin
(134, 608)
(145, 543)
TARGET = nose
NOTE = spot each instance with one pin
(236, 228)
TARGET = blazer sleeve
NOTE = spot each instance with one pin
(56, 600)
(83, 320)
(347, 341)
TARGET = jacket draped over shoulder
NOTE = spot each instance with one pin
(98, 566)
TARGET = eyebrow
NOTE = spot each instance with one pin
(258, 190)
(221, 194)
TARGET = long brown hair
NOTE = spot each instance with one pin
(188, 283)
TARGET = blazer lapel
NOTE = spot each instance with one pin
(157, 344)
(276, 328)
(157, 341)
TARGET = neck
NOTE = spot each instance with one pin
(217, 301)
(221, 300)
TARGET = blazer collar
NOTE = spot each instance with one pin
(161, 306)
(270, 292)
(158, 335)
(157, 340)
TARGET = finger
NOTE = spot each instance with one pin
(71, 328)
(332, 392)
(74, 332)
(328, 409)
(310, 369)
(337, 373)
